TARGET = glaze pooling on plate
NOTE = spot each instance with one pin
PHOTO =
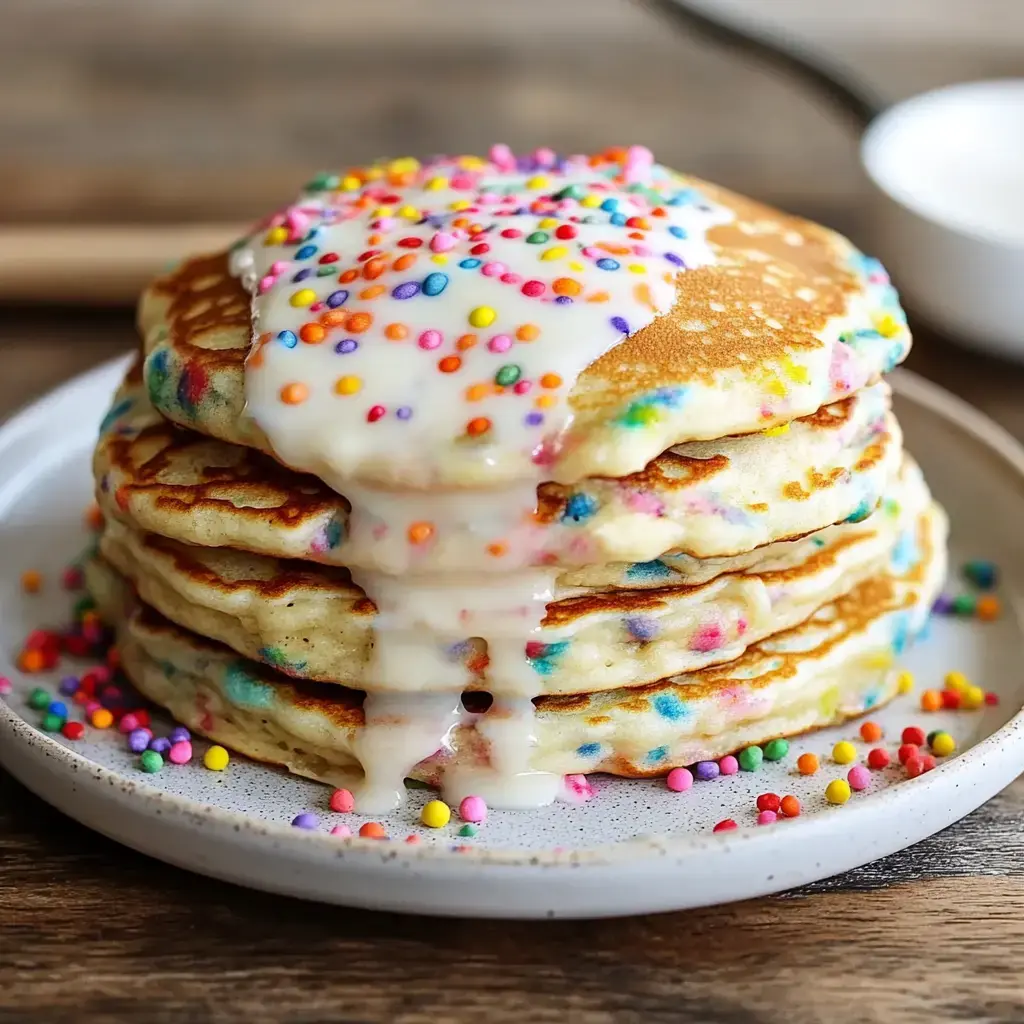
(837, 664)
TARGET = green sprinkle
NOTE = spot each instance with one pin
(571, 192)
(322, 182)
(83, 605)
(932, 735)
(507, 375)
(151, 761)
(467, 830)
(776, 750)
(52, 722)
(326, 271)
(39, 699)
(537, 237)
(750, 758)
(964, 604)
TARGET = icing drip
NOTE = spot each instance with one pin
(420, 324)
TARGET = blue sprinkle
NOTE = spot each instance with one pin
(579, 507)
(403, 412)
(860, 513)
(673, 258)
(405, 290)
(669, 706)
(58, 707)
(333, 533)
(303, 274)
(589, 749)
(620, 325)
(657, 754)
(563, 300)
(676, 230)
(641, 628)
(434, 284)
(288, 339)
(610, 205)
(305, 252)
(656, 570)
(607, 263)
(346, 345)
(471, 263)
(338, 298)
(534, 419)
(618, 219)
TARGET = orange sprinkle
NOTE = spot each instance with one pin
(545, 401)
(420, 533)
(460, 222)
(638, 235)
(465, 341)
(790, 806)
(497, 549)
(31, 661)
(615, 250)
(931, 700)
(90, 619)
(476, 391)
(374, 239)
(550, 380)
(294, 394)
(807, 764)
(396, 332)
(373, 830)
(372, 269)
(404, 262)
(988, 608)
(642, 292)
(477, 426)
(599, 297)
(566, 286)
(527, 332)
(348, 275)
(870, 732)
(94, 517)
(335, 318)
(358, 322)
(31, 581)
(312, 334)
(373, 292)
(449, 364)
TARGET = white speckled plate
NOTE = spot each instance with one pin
(635, 847)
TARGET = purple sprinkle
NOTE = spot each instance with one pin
(179, 734)
(534, 419)
(641, 628)
(620, 325)
(303, 274)
(346, 345)
(943, 605)
(161, 744)
(564, 300)
(69, 685)
(673, 258)
(405, 290)
(305, 820)
(338, 298)
(707, 770)
(138, 740)
(403, 412)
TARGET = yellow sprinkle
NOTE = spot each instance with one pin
(482, 316)
(348, 385)
(303, 297)
(545, 401)
(536, 183)
(350, 183)
(782, 428)
(577, 266)
(436, 814)
(905, 682)
(374, 173)
(460, 204)
(436, 184)
(590, 202)
(880, 659)
(276, 236)
(797, 374)
(409, 213)
(844, 752)
(974, 697)
(471, 163)
(439, 257)
(383, 211)
(957, 681)
(887, 325)
(636, 268)
(547, 222)
(554, 253)
(776, 387)
(216, 759)
(943, 744)
(837, 791)
(403, 163)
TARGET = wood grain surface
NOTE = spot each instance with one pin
(92, 932)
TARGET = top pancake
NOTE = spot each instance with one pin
(788, 318)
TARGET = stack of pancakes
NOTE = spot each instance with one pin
(702, 535)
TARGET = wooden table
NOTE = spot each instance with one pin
(90, 931)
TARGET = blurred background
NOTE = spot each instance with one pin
(135, 130)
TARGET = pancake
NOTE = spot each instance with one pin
(703, 315)
(312, 622)
(835, 666)
(705, 500)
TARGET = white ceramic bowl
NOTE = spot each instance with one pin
(948, 221)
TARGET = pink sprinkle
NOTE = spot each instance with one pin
(502, 158)
(641, 250)
(544, 157)
(91, 706)
(679, 780)
(298, 224)
(488, 199)
(316, 307)
(442, 242)
(511, 233)
(342, 831)
(128, 723)
(728, 765)
(639, 160)
(533, 288)
(590, 250)
(430, 339)
(266, 284)
(180, 753)
(500, 343)
(707, 638)
(412, 840)
(101, 673)
(342, 801)
(462, 181)
(858, 777)
(521, 387)
(511, 278)
(473, 808)
(385, 223)
(578, 788)
(278, 267)
(767, 818)
(493, 269)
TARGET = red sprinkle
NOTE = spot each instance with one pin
(914, 734)
(991, 699)
(951, 700)
(725, 826)
(565, 231)
(375, 413)
(919, 764)
(768, 802)
(878, 758)
(907, 751)
(73, 730)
